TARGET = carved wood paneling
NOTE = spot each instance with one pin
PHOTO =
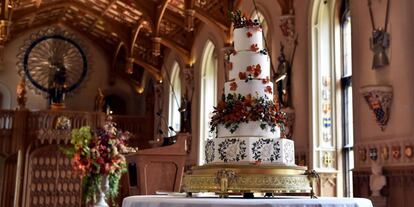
(9, 183)
(398, 191)
(51, 179)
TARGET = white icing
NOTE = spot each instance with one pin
(285, 156)
(243, 42)
(250, 129)
(243, 59)
(248, 134)
(255, 88)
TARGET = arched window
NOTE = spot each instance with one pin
(208, 94)
(331, 92)
(174, 100)
(346, 86)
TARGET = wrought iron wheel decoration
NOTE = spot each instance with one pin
(380, 40)
(54, 62)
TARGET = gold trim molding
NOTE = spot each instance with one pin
(238, 179)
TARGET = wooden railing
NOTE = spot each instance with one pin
(47, 119)
(14, 124)
(24, 132)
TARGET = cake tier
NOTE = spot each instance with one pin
(256, 88)
(242, 60)
(250, 129)
(245, 37)
(250, 150)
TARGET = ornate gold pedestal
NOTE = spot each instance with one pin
(226, 180)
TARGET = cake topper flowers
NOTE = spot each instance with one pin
(240, 20)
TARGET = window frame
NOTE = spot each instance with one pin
(174, 100)
(208, 58)
(346, 87)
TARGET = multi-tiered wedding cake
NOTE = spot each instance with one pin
(246, 120)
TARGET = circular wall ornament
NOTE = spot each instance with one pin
(53, 56)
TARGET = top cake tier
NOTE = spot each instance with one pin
(247, 37)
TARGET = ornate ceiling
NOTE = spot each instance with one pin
(137, 32)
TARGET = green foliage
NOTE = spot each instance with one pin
(96, 155)
(235, 109)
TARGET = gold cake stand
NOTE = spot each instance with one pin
(226, 180)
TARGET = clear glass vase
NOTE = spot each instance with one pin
(101, 198)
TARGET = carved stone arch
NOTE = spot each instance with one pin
(135, 36)
(146, 14)
(202, 36)
(160, 14)
(118, 62)
(121, 94)
(173, 57)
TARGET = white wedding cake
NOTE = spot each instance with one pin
(246, 120)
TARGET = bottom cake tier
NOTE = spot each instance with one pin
(250, 150)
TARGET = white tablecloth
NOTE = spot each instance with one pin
(171, 201)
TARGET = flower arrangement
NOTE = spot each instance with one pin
(235, 109)
(240, 20)
(96, 154)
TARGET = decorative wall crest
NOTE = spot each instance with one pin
(379, 99)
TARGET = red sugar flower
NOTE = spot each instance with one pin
(249, 34)
(266, 80)
(254, 48)
(257, 70)
(242, 76)
(250, 69)
(268, 89)
(233, 86)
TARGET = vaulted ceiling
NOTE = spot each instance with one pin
(135, 32)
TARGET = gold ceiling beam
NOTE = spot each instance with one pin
(93, 25)
(182, 52)
(156, 44)
(207, 19)
(5, 9)
(33, 17)
(155, 72)
(160, 13)
(135, 36)
(139, 61)
(173, 17)
(146, 9)
(110, 24)
(189, 14)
